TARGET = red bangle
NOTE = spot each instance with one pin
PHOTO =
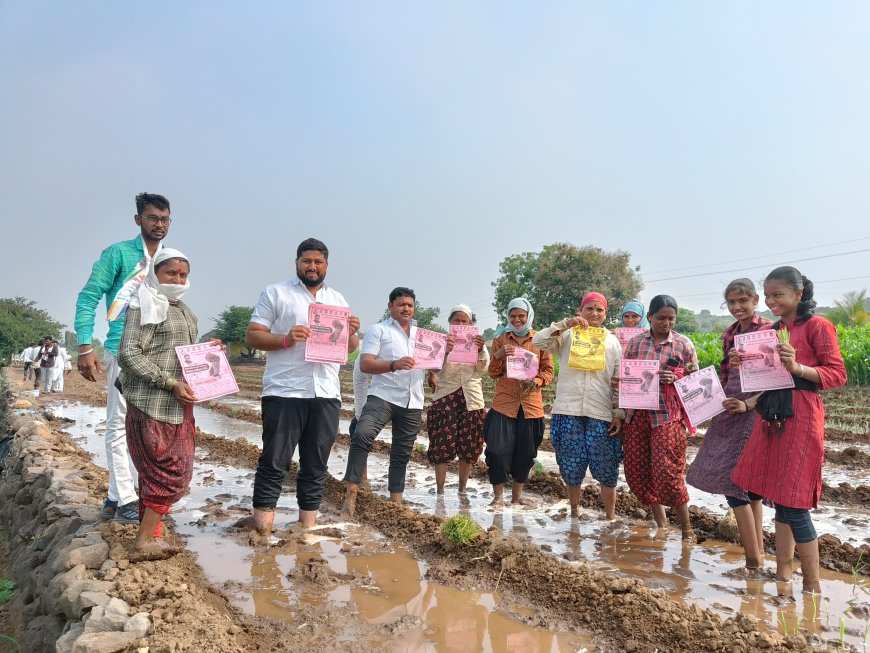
(285, 342)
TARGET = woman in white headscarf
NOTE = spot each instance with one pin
(514, 427)
(454, 420)
(160, 425)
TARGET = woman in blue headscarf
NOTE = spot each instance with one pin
(514, 426)
(633, 315)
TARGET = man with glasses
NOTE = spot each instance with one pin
(117, 275)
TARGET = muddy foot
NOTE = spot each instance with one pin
(349, 507)
(154, 550)
(689, 537)
(524, 501)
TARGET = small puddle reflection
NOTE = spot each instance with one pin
(376, 581)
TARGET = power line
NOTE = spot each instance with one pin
(755, 267)
(752, 258)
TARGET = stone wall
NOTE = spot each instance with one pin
(66, 597)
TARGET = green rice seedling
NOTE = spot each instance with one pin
(538, 470)
(783, 623)
(783, 335)
(842, 631)
(7, 587)
(420, 448)
(460, 529)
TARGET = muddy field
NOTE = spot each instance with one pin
(536, 580)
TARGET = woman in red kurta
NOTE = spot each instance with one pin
(783, 459)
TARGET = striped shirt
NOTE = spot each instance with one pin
(149, 366)
(676, 346)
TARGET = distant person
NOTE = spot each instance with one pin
(655, 440)
(586, 414)
(395, 397)
(514, 427)
(56, 373)
(782, 461)
(455, 417)
(117, 275)
(48, 353)
(27, 356)
(301, 400)
(729, 431)
(633, 315)
(159, 422)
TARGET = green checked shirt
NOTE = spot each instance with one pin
(149, 366)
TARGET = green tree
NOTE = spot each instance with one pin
(555, 279)
(22, 323)
(488, 334)
(851, 310)
(425, 316)
(231, 324)
(687, 321)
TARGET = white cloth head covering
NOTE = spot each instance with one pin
(461, 308)
(524, 304)
(152, 298)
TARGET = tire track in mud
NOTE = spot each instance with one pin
(836, 555)
(623, 610)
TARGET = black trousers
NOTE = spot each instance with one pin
(375, 416)
(511, 445)
(312, 424)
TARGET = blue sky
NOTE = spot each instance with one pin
(426, 142)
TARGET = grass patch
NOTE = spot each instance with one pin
(461, 529)
(7, 588)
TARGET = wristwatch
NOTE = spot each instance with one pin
(392, 366)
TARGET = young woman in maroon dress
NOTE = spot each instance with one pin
(782, 461)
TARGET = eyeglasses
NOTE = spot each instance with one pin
(158, 219)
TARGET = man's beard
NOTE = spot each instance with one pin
(310, 283)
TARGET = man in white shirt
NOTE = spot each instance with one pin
(301, 401)
(395, 395)
(27, 358)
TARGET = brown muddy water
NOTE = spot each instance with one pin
(344, 565)
(347, 564)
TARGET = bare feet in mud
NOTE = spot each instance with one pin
(524, 501)
(153, 550)
(689, 537)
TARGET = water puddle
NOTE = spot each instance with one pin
(343, 565)
(707, 574)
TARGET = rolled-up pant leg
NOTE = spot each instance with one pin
(283, 422)
(373, 419)
(800, 522)
(318, 436)
(406, 426)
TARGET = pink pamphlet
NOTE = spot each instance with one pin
(701, 394)
(760, 366)
(206, 370)
(429, 348)
(329, 334)
(639, 384)
(624, 334)
(464, 349)
(521, 365)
